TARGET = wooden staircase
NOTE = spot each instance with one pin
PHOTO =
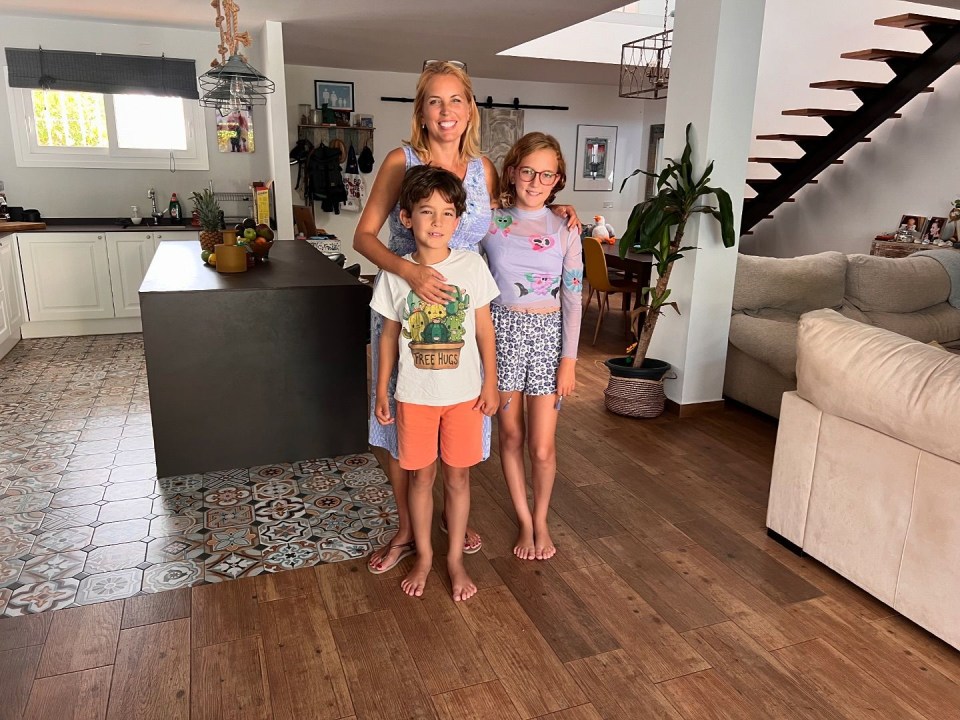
(913, 73)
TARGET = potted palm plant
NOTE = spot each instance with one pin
(657, 226)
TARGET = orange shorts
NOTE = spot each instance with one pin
(456, 429)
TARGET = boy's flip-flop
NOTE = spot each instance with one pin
(406, 550)
(468, 549)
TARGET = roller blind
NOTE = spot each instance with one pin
(102, 73)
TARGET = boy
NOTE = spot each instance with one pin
(442, 348)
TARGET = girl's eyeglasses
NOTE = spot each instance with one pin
(455, 63)
(547, 177)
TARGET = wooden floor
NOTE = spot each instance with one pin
(666, 600)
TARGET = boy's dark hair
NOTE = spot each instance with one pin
(421, 181)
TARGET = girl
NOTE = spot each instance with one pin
(445, 132)
(538, 265)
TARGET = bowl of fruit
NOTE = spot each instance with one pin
(257, 238)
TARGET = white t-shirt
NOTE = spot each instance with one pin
(439, 358)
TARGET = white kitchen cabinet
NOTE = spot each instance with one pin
(11, 279)
(66, 276)
(129, 254)
(161, 235)
(6, 326)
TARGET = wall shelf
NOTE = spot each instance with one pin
(359, 137)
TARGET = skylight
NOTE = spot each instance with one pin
(598, 39)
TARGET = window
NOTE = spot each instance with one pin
(79, 129)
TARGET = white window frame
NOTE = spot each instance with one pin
(29, 154)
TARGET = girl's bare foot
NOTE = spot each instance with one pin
(525, 548)
(544, 546)
(388, 554)
(414, 583)
(460, 582)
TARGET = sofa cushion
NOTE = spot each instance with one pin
(795, 284)
(895, 285)
(881, 380)
(772, 342)
(939, 322)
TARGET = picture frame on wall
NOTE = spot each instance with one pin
(334, 94)
(596, 157)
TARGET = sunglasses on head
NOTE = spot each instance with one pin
(455, 63)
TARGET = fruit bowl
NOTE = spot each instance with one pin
(261, 248)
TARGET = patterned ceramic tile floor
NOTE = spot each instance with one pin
(84, 519)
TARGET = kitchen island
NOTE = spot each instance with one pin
(257, 367)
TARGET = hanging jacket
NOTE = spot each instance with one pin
(323, 180)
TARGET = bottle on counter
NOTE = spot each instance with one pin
(176, 211)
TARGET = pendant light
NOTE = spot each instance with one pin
(232, 83)
(645, 64)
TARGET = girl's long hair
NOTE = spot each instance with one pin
(470, 140)
(530, 143)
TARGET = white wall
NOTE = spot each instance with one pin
(912, 164)
(74, 192)
(589, 104)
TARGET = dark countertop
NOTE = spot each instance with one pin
(107, 227)
(176, 267)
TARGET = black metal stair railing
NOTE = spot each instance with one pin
(913, 74)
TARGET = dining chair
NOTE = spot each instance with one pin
(597, 276)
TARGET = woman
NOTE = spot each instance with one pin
(445, 132)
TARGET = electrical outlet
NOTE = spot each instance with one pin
(607, 205)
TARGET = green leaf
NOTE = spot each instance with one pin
(725, 216)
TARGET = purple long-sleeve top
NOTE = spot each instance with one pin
(538, 265)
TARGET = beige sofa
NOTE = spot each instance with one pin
(906, 295)
(866, 475)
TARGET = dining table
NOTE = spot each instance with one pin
(635, 266)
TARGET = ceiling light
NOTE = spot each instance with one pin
(645, 64)
(232, 83)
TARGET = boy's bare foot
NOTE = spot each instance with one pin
(414, 583)
(389, 553)
(544, 546)
(525, 548)
(460, 582)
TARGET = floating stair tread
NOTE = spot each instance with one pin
(788, 137)
(775, 160)
(879, 54)
(817, 112)
(914, 21)
(853, 85)
(768, 181)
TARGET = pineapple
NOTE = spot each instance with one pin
(209, 210)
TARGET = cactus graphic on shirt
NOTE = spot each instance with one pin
(416, 323)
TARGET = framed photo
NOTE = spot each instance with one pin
(596, 156)
(933, 232)
(235, 131)
(335, 95)
(913, 224)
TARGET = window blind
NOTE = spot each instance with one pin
(101, 73)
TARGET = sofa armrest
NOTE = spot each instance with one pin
(884, 381)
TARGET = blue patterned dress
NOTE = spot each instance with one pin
(474, 224)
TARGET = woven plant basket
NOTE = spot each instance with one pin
(634, 397)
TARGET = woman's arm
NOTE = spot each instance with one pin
(493, 182)
(426, 282)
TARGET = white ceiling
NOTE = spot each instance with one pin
(393, 35)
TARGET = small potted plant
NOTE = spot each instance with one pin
(657, 226)
(208, 209)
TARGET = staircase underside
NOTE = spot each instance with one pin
(913, 73)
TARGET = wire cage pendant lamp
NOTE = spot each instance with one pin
(231, 82)
(645, 64)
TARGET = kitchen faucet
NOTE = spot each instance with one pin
(157, 214)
